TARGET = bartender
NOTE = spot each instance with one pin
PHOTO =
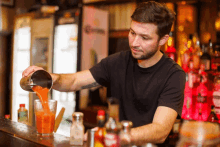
(148, 84)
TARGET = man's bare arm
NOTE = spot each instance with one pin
(158, 130)
(73, 82)
(67, 82)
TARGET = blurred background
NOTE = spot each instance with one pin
(65, 36)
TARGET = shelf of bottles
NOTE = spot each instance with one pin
(202, 91)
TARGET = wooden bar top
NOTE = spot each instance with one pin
(27, 135)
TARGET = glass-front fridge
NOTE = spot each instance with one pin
(65, 60)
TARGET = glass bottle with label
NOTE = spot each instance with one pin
(206, 58)
(124, 135)
(23, 114)
(111, 138)
(100, 133)
(77, 129)
(212, 117)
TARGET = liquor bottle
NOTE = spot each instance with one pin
(197, 53)
(125, 134)
(111, 138)
(212, 116)
(200, 115)
(210, 48)
(100, 133)
(171, 51)
(7, 116)
(206, 58)
(191, 75)
(186, 56)
(22, 114)
(216, 93)
(77, 129)
(216, 58)
(202, 105)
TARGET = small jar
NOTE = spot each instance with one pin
(199, 134)
(77, 129)
(125, 133)
(22, 114)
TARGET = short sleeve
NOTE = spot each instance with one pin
(172, 95)
(100, 72)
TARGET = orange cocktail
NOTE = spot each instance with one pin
(45, 111)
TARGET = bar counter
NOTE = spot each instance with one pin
(15, 134)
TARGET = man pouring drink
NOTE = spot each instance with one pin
(148, 85)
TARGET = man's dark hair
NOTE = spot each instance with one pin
(156, 13)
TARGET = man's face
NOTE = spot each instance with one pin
(143, 40)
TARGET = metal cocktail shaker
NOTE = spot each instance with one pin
(39, 77)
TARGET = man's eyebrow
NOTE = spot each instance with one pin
(140, 34)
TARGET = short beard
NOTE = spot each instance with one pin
(146, 56)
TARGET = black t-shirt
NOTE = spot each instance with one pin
(141, 90)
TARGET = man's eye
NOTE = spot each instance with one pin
(132, 33)
(145, 38)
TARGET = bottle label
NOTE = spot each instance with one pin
(201, 99)
(76, 137)
(22, 116)
(192, 79)
(111, 140)
(216, 98)
(206, 62)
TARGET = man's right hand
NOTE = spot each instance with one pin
(31, 69)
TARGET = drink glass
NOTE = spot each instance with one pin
(113, 108)
(45, 119)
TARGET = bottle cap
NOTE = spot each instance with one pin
(126, 124)
(77, 114)
(7, 116)
(212, 107)
(22, 105)
(101, 112)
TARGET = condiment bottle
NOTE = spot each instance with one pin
(100, 133)
(7, 116)
(23, 114)
(125, 134)
(77, 129)
(111, 138)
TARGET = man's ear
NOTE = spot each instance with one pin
(163, 40)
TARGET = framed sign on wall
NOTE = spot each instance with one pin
(8, 3)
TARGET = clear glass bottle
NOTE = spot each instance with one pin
(111, 138)
(124, 135)
(77, 129)
(212, 116)
(206, 58)
(23, 114)
(199, 134)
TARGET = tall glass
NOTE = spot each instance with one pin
(45, 119)
(113, 108)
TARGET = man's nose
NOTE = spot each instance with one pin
(136, 41)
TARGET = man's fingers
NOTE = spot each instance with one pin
(30, 70)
